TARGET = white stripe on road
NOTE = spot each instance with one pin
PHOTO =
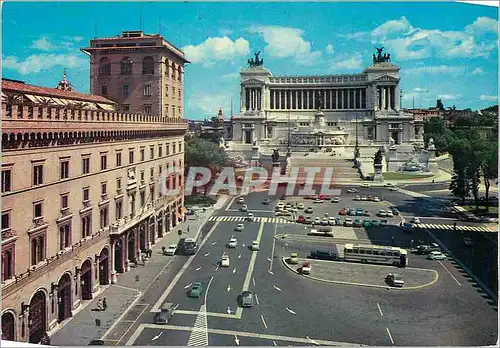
(263, 321)
(446, 269)
(390, 336)
(379, 309)
(257, 300)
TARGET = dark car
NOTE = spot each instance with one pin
(266, 201)
(96, 343)
(246, 299)
(165, 313)
(323, 255)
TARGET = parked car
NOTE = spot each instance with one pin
(367, 213)
(266, 201)
(369, 198)
(435, 247)
(348, 222)
(166, 312)
(317, 221)
(172, 248)
(351, 212)
(306, 268)
(390, 214)
(323, 255)
(382, 213)
(300, 206)
(294, 259)
(332, 221)
(364, 198)
(436, 255)
(376, 199)
(357, 198)
(375, 223)
(343, 212)
(301, 219)
(241, 200)
(309, 210)
(246, 299)
(388, 184)
(308, 220)
(395, 280)
(318, 201)
(360, 212)
(352, 190)
(324, 221)
(367, 223)
(196, 290)
(233, 242)
(395, 211)
(336, 199)
(224, 262)
(423, 249)
(365, 184)
(254, 246)
(244, 208)
(358, 223)
(239, 228)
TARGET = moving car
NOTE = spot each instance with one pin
(224, 262)
(250, 217)
(294, 259)
(306, 268)
(172, 248)
(388, 184)
(280, 206)
(348, 222)
(395, 280)
(266, 201)
(323, 255)
(233, 242)
(415, 220)
(241, 200)
(365, 184)
(436, 255)
(394, 188)
(244, 208)
(196, 290)
(336, 199)
(254, 246)
(352, 190)
(246, 298)
(309, 210)
(166, 312)
(239, 228)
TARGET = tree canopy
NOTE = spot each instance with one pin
(204, 153)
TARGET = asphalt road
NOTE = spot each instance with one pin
(291, 307)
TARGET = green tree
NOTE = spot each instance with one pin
(434, 127)
(489, 167)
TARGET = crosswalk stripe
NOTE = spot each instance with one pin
(477, 229)
(199, 335)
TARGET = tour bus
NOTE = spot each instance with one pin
(189, 246)
(376, 254)
(322, 231)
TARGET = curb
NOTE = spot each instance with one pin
(418, 287)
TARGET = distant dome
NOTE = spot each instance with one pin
(64, 84)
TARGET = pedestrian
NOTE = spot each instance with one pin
(104, 304)
(455, 226)
(188, 228)
(99, 305)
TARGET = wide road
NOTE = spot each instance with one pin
(293, 310)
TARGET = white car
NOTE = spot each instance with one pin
(352, 190)
(244, 208)
(250, 217)
(365, 184)
(240, 227)
(317, 221)
(415, 220)
(436, 255)
(364, 198)
(172, 248)
(300, 206)
(224, 262)
(382, 213)
(336, 199)
(306, 268)
(255, 246)
(324, 222)
(376, 199)
(241, 200)
(233, 242)
(390, 214)
(332, 221)
(357, 198)
(388, 184)
(348, 222)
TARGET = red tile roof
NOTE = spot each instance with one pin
(52, 92)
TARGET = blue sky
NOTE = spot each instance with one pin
(446, 51)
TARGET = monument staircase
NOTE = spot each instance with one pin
(342, 166)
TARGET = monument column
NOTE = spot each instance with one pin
(389, 97)
(384, 90)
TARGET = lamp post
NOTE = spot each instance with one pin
(289, 151)
(356, 148)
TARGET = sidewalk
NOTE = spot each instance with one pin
(120, 297)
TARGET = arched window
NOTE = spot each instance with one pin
(148, 66)
(126, 66)
(104, 66)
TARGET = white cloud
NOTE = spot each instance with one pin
(406, 42)
(477, 71)
(488, 97)
(329, 49)
(216, 49)
(43, 44)
(439, 69)
(41, 62)
(353, 62)
(359, 35)
(231, 76)
(285, 42)
(449, 96)
(208, 103)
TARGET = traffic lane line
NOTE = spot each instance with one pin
(380, 310)
(451, 275)
(263, 321)
(133, 323)
(253, 335)
(389, 334)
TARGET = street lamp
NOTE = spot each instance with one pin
(356, 148)
(289, 152)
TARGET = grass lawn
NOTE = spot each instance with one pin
(403, 176)
(205, 201)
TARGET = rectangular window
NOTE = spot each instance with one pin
(104, 188)
(86, 226)
(131, 156)
(118, 183)
(64, 201)
(5, 221)
(142, 175)
(166, 90)
(173, 111)
(38, 174)
(6, 181)
(37, 210)
(167, 149)
(180, 92)
(119, 210)
(151, 152)
(104, 91)
(180, 147)
(119, 159)
(64, 236)
(159, 169)
(160, 150)
(151, 173)
(125, 90)
(86, 194)
(64, 169)
(173, 91)
(104, 221)
(147, 90)
(37, 249)
(126, 107)
(142, 154)
(143, 198)
(86, 165)
(173, 148)
(104, 162)
(147, 109)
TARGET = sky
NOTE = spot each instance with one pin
(446, 51)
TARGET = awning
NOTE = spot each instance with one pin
(64, 101)
(90, 106)
(31, 98)
(4, 96)
(106, 107)
(58, 102)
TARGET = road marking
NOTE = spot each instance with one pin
(187, 286)
(274, 342)
(447, 271)
(379, 309)
(228, 288)
(130, 326)
(209, 314)
(269, 271)
(231, 203)
(206, 292)
(228, 310)
(274, 245)
(206, 254)
(257, 300)
(157, 336)
(312, 341)
(239, 256)
(290, 311)
(236, 340)
(214, 243)
(234, 270)
(277, 288)
(197, 269)
(390, 336)
(263, 321)
(199, 334)
(253, 281)
(162, 298)
(249, 334)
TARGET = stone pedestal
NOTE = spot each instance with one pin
(432, 165)
(377, 176)
(113, 277)
(127, 268)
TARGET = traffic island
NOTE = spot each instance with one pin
(367, 275)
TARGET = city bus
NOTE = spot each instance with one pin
(376, 254)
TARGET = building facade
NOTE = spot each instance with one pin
(81, 198)
(298, 113)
